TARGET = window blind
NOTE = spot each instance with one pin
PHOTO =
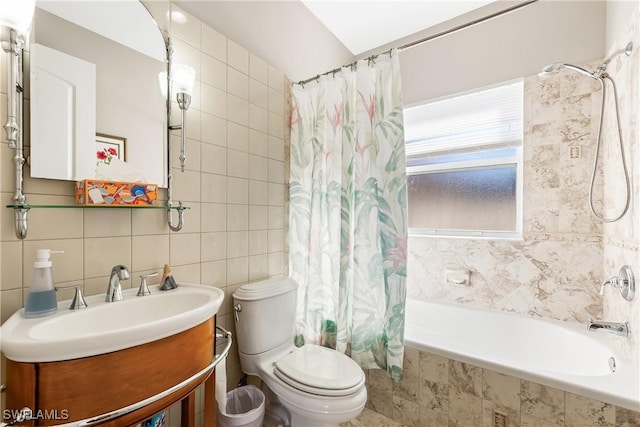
(486, 118)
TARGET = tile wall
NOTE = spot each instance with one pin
(556, 270)
(438, 392)
(622, 238)
(234, 185)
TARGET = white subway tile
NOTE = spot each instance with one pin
(258, 69)
(237, 57)
(237, 83)
(214, 43)
(185, 248)
(237, 137)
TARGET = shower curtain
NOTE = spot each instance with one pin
(348, 216)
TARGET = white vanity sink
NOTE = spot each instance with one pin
(104, 327)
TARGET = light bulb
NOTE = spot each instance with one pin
(183, 77)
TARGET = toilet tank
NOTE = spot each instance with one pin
(265, 314)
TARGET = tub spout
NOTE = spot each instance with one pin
(621, 329)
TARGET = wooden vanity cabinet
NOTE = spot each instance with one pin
(71, 390)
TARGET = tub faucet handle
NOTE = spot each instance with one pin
(625, 281)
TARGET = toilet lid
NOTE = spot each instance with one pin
(263, 289)
(320, 370)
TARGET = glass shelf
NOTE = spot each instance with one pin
(27, 206)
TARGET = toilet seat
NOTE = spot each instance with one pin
(320, 370)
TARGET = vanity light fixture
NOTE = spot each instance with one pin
(15, 21)
(182, 80)
(177, 83)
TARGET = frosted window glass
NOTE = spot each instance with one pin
(482, 199)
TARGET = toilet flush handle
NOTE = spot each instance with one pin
(237, 309)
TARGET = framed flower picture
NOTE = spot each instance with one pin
(109, 146)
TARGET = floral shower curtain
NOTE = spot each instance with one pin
(348, 216)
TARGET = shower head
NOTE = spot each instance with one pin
(550, 69)
(600, 71)
(557, 66)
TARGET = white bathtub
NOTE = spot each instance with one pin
(557, 354)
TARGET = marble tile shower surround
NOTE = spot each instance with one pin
(545, 278)
(234, 185)
(622, 238)
(438, 392)
(556, 270)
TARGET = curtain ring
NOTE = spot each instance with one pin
(334, 73)
(318, 78)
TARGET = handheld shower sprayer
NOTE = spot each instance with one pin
(600, 74)
(557, 66)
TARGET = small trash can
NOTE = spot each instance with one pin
(245, 407)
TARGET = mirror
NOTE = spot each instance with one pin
(94, 87)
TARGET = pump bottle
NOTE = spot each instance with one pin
(42, 293)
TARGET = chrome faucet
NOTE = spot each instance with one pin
(621, 329)
(114, 291)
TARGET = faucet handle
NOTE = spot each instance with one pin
(78, 301)
(625, 282)
(144, 289)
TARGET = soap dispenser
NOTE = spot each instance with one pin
(42, 292)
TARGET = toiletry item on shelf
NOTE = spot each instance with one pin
(42, 294)
(116, 193)
(167, 282)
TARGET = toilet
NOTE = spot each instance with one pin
(317, 385)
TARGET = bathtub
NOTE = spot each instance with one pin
(557, 354)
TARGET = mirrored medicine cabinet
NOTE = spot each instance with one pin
(93, 77)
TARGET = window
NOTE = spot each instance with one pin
(464, 164)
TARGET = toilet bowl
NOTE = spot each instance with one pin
(318, 386)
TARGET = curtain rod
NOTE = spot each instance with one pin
(428, 38)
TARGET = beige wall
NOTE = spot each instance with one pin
(234, 185)
(508, 47)
(622, 238)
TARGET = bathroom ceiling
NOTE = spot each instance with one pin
(364, 25)
(306, 39)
